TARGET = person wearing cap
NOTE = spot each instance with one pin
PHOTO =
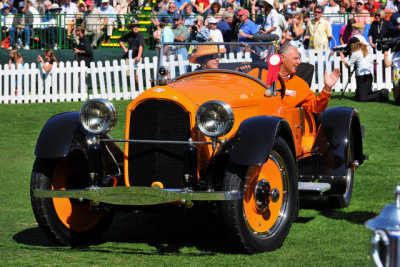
(70, 9)
(21, 26)
(215, 34)
(110, 14)
(248, 28)
(319, 31)
(94, 23)
(394, 22)
(135, 40)
(362, 61)
(379, 28)
(362, 15)
(207, 56)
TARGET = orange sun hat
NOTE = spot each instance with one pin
(205, 50)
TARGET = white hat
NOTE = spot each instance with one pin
(212, 20)
(105, 1)
(269, 2)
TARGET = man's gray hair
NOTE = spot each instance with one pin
(227, 15)
(284, 49)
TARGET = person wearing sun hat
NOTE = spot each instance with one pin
(207, 56)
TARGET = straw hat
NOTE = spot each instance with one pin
(205, 50)
(358, 25)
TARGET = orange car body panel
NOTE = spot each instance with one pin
(245, 95)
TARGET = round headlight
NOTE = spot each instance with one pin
(214, 118)
(98, 116)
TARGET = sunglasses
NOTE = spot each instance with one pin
(377, 16)
(359, 4)
(317, 12)
(214, 56)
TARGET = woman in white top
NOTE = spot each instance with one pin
(362, 61)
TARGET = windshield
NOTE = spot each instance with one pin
(181, 58)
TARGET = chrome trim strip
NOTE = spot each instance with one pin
(157, 141)
(122, 195)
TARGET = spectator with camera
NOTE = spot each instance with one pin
(269, 30)
(393, 60)
(361, 59)
(379, 28)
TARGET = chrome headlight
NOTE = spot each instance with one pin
(98, 116)
(214, 118)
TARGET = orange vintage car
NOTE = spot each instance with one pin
(214, 136)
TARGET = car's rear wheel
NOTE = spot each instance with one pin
(343, 201)
(262, 219)
(66, 221)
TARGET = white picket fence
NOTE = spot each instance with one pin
(116, 80)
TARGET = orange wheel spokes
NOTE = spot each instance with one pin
(265, 196)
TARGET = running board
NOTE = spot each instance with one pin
(318, 188)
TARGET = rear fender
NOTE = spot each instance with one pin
(255, 138)
(332, 140)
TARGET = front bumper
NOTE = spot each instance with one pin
(122, 195)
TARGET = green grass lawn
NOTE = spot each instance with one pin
(320, 237)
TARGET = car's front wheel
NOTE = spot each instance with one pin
(66, 221)
(262, 219)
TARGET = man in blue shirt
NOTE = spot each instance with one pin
(248, 27)
(170, 12)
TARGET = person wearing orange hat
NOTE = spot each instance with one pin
(207, 56)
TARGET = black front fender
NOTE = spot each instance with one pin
(255, 138)
(57, 135)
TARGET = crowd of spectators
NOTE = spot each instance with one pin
(53, 22)
(302, 23)
(305, 24)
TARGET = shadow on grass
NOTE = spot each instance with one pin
(165, 233)
(323, 206)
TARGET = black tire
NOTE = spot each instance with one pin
(343, 201)
(247, 221)
(66, 221)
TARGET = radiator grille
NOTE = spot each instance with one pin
(157, 120)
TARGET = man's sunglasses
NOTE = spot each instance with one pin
(359, 4)
(317, 12)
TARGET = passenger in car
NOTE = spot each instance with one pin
(298, 92)
(207, 56)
